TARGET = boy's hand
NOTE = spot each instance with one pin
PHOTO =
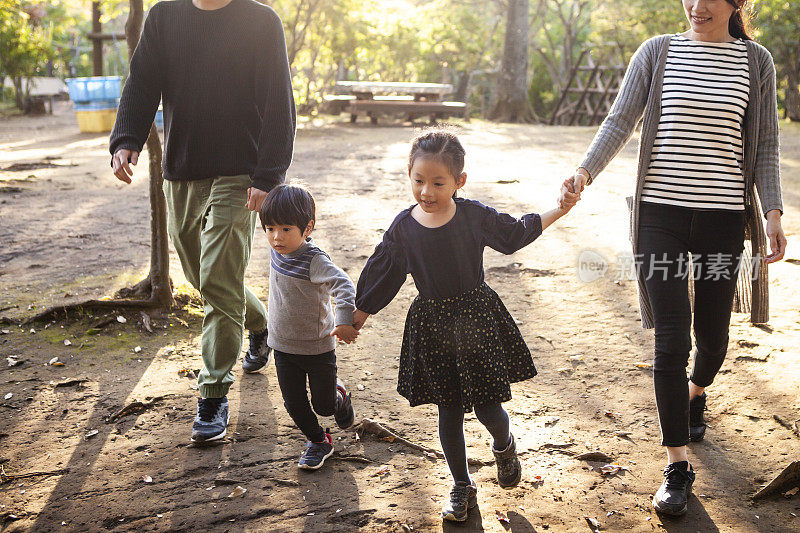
(359, 317)
(345, 333)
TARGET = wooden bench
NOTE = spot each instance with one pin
(411, 100)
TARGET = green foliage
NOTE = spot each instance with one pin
(776, 27)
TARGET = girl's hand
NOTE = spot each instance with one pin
(345, 333)
(777, 239)
(568, 197)
(359, 318)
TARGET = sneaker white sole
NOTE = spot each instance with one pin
(322, 462)
(216, 437)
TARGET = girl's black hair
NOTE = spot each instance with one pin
(739, 23)
(287, 205)
(441, 144)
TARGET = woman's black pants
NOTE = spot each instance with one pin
(667, 236)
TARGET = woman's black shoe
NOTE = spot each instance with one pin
(673, 495)
(697, 423)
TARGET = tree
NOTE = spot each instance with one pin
(155, 291)
(513, 104)
(776, 24)
(24, 48)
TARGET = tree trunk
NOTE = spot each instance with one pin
(792, 96)
(156, 286)
(512, 104)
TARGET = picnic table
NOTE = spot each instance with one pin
(43, 90)
(410, 99)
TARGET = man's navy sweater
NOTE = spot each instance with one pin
(224, 79)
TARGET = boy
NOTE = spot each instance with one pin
(301, 323)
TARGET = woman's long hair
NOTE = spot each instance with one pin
(739, 23)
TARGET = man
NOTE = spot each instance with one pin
(221, 70)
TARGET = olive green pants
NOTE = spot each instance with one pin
(212, 232)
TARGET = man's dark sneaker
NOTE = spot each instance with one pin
(673, 495)
(697, 423)
(462, 499)
(316, 453)
(344, 414)
(258, 354)
(211, 422)
(509, 470)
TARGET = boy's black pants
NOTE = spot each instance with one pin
(320, 370)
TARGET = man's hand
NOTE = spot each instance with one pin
(119, 163)
(345, 333)
(255, 198)
(359, 317)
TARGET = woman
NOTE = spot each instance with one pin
(709, 138)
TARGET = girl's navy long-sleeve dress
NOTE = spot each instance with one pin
(461, 346)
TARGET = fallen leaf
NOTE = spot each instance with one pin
(121, 319)
(501, 516)
(594, 525)
(55, 362)
(611, 469)
(8, 396)
(642, 364)
(576, 358)
(537, 479)
(90, 434)
(388, 438)
(609, 414)
(33, 331)
(4, 332)
(67, 342)
(238, 491)
(382, 471)
(137, 349)
(623, 434)
(146, 478)
(360, 386)
(564, 370)
(13, 361)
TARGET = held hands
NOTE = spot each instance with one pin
(120, 163)
(777, 239)
(571, 189)
(345, 333)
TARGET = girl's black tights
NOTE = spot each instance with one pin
(451, 435)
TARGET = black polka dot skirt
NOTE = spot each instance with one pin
(462, 351)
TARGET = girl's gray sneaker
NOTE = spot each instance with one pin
(211, 421)
(509, 469)
(462, 499)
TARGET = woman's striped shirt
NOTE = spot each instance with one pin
(697, 154)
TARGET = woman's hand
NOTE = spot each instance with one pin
(572, 188)
(777, 239)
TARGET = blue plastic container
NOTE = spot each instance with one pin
(94, 89)
(100, 105)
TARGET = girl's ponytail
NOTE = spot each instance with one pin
(739, 23)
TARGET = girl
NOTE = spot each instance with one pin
(709, 142)
(461, 348)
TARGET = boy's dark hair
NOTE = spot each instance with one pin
(287, 205)
(443, 145)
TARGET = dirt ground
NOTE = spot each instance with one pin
(70, 231)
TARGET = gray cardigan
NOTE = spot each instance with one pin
(640, 96)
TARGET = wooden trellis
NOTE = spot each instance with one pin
(589, 93)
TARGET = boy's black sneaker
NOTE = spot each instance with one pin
(211, 421)
(258, 354)
(316, 453)
(673, 495)
(344, 414)
(697, 423)
(462, 499)
(509, 469)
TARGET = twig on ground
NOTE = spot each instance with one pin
(7, 478)
(370, 427)
(134, 408)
